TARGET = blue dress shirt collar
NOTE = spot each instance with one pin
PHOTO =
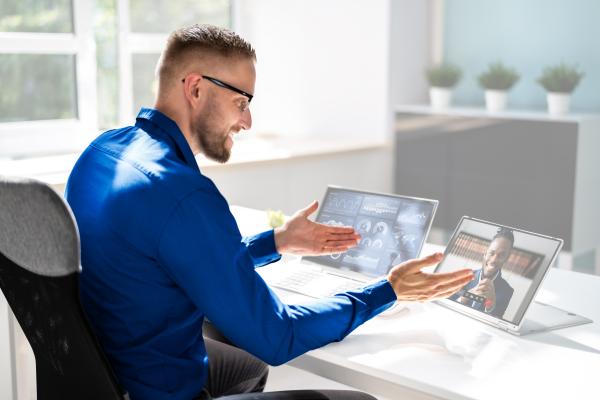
(170, 128)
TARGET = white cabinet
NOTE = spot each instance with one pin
(527, 170)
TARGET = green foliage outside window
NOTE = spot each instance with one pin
(37, 87)
(43, 86)
(48, 16)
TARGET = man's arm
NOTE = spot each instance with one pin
(202, 250)
(262, 248)
(300, 236)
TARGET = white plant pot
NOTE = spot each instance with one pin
(495, 100)
(440, 97)
(558, 103)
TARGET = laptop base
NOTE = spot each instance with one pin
(543, 317)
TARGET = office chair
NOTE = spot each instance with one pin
(39, 276)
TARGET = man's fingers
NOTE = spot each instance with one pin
(311, 208)
(339, 247)
(337, 230)
(420, 263)
(342, 236)
(486, 284)
(341, 243)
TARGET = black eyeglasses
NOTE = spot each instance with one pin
(226, 86)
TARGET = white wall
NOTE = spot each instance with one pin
(328, 68)
(291, 184)
(323, 66)
(410, 50)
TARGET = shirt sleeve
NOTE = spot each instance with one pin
(262, 248)
(201, 249)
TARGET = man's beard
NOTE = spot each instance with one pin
(212, 142)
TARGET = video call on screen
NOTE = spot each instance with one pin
(392, 229)
(511, 279)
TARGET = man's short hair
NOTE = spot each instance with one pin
(201, 41)
(506, 234)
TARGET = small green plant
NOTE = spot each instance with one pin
(275, 218)
(443, 75)
(560, 78)
(498, 77)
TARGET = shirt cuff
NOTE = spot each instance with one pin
(380, 294)
(262, 248)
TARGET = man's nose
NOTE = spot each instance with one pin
(246, 121)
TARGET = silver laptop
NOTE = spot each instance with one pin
(393, 229)
(510, 265)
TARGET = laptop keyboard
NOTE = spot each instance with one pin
(316, 283)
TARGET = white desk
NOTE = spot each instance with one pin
(430, 352)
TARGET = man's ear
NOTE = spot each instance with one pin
(192, 90)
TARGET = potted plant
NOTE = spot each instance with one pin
(275, 218)
(560, 81)
(497, 81)
(442, 78)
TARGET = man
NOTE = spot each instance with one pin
(488, 282)
(161, 251)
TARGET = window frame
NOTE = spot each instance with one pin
(128, 44)
(132, 43)
(23, 139)
(30, 138)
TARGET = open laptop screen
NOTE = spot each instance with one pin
(392, 228)
(509, 266)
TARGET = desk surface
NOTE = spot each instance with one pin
(425, 351)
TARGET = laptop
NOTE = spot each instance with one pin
(393, 229)
(509, 265)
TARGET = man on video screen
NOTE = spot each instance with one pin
(492, 292)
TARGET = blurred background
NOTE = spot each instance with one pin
(385, 95)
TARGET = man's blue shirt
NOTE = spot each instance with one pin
(161, 251)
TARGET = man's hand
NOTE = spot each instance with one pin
(486, 289)
(304, 237)
(411, 284)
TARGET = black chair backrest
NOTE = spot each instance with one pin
(39, 276)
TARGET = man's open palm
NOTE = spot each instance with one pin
(412, 284)
(301, 236)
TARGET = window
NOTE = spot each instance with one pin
(72, 67)
(37, 87)
(47, 66)
(143, 29)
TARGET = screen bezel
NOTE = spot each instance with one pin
(528, 299)
(435, 203)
